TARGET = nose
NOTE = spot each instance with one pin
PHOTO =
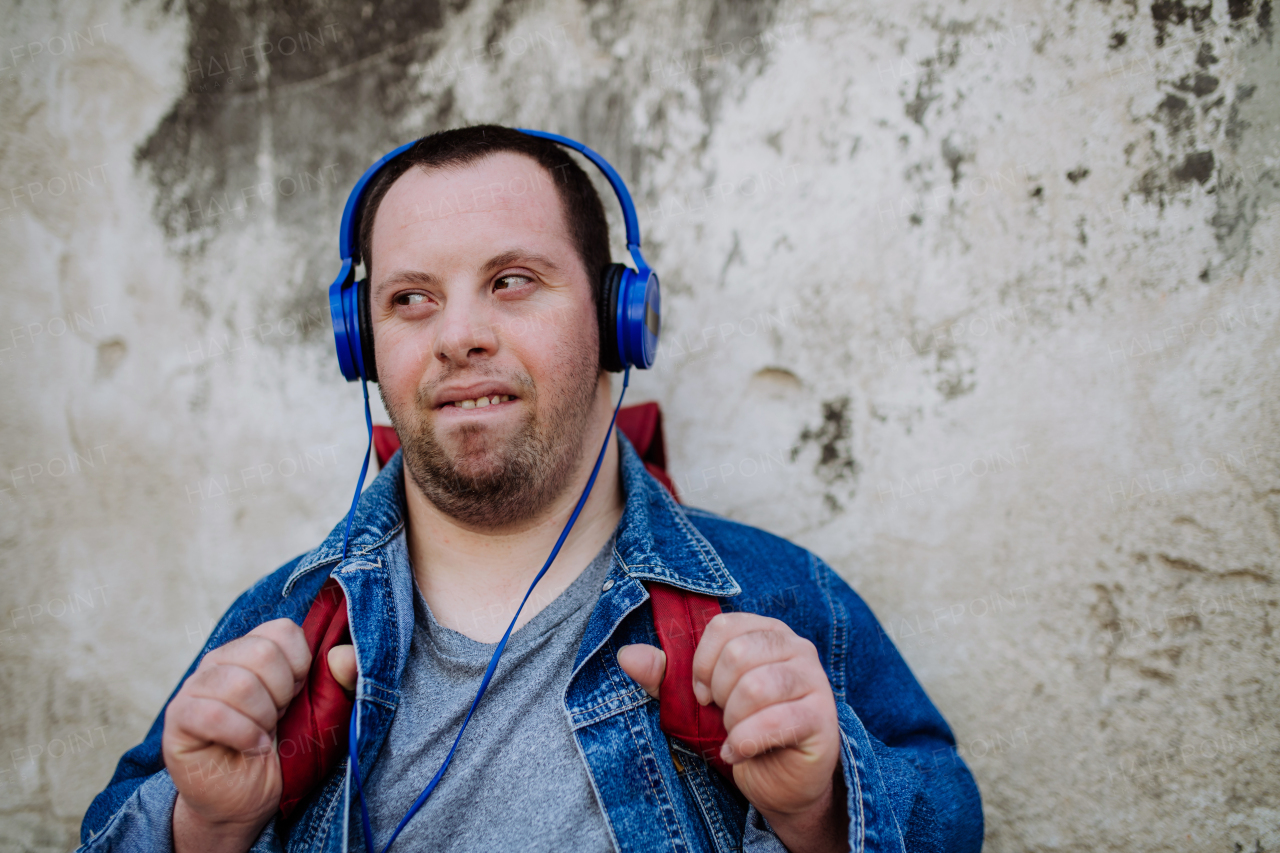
(467, 333)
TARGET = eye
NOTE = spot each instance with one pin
(410, 298)
(508, 282)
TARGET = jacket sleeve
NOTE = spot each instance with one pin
(135, 811)
(908, 788)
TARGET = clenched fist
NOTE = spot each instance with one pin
(219, 734)
(780, 715)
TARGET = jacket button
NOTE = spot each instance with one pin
(608, 585)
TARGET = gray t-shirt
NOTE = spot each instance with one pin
(518, 780)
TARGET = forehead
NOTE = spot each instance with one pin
(501, 192)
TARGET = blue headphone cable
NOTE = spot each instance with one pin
(364, 469)
(352, 750)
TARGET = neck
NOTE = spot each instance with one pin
(474, 578)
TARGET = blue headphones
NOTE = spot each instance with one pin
(630, 308)
(630, 318)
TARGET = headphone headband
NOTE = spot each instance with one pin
(632, 341)
(348, 239)
(615, 181)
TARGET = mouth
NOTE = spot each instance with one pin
(476, 395)
(481, 402)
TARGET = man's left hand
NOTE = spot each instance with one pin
(783, 734)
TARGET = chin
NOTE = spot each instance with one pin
(478, 468)
(473, 439)
(476, 453)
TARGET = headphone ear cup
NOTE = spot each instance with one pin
(366, 330)
(607, 313)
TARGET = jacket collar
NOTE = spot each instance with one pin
(655, 541)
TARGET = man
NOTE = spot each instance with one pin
(484, 248)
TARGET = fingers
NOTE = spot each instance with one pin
(786, 724)
(735, 642)
(646, 664)
(236, 695)
(762, 686)
(222, 724)
(288, 637)
(199, 721)
(275, 652)
(342, 663)
(238, 688)
(771, 685)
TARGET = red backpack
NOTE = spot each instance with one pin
(679, 616)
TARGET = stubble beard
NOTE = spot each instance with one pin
(489, 482)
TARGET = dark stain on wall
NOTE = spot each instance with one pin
(738, 24)
(1239, 9)
(311, 87)
(1175, 115)
(1245, 190)
(1198, 85)
(287, 103)
(834, 440)
(1166, 13)
(1201, 125)
(1196, 166)
(1236, 123)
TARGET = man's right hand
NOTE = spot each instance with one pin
(219, 732)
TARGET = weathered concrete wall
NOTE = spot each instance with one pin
(977, 300)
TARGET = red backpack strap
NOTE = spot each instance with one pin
(642, 425)
(312, 734)
(680, 617)
(311, 737)
(385, 443)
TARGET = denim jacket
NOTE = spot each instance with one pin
(907, 787)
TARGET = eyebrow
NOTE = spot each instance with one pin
(513, 255)
(407, 277)
(426, 279)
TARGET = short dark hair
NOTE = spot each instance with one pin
(583, 212)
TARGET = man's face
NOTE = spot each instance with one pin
(485, 336)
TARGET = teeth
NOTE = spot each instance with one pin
(481, 402)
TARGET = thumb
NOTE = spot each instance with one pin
(646, 664)
(342, 663)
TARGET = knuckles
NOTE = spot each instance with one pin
(740, 622)
(768, 644)
(265, 649)
(258, 653)
(757, 687)
(205, 718)
(238, 686)
(735, 652)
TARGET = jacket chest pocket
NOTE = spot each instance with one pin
(723, 809)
